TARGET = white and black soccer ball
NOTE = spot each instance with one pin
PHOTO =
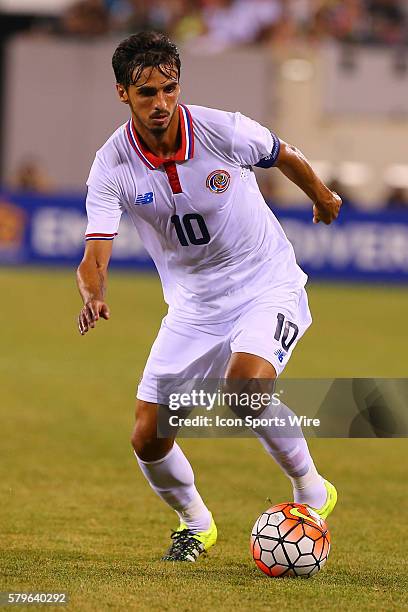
(290, 540)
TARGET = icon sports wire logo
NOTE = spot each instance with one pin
(145, 198)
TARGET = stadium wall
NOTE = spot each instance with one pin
(347, 109)
(61, 106)
(61, 103)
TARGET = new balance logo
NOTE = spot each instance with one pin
(145, 198)
(280, 354)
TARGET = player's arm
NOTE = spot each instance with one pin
(255, 145)
(92, 281)
(294, 165)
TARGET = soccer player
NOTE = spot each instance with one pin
(236, 299)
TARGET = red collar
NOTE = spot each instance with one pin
(186, 150)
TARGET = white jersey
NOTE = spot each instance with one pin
(201, 216)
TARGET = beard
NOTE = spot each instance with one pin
(156, 130)
(160, 129)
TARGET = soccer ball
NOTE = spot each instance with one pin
(290, 540)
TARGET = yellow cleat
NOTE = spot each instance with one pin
(331, 501)
(188, 546)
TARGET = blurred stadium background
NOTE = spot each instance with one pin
(330, 77)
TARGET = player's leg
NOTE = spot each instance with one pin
(167, 469)
(259, 353)
(291, 453)
(181, 351)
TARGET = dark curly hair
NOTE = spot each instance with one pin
(142, 50)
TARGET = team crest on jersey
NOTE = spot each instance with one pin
(218, 181)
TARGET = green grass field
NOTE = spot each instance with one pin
(76, 514)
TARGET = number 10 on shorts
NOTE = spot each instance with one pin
(290, 332)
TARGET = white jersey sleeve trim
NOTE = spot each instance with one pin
(103, 201)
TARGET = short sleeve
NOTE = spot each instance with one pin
(103, 202)
(254, 144)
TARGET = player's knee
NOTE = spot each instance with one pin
(144, 435)
(146, 444)
(143, 442)
(247, 367)
(247, 396)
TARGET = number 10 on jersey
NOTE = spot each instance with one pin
(191, 229)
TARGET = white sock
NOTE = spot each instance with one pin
(172, 478)
(309, 489)
(293, 456)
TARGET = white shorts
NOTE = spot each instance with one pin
(269, 326)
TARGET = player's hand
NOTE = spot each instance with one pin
(91, 312)
(328, 210)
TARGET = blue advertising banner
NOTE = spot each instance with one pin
(358, 246)
(49, 229)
